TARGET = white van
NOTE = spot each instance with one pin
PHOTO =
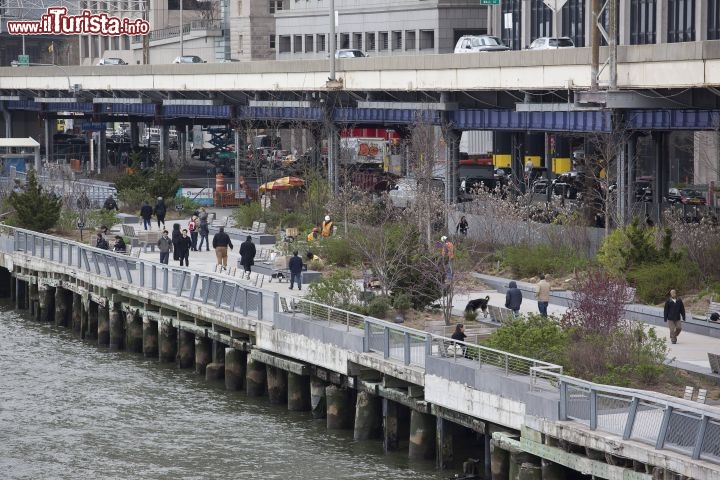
(479, 43)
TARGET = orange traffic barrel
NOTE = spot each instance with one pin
(219, 182)
(75, 164)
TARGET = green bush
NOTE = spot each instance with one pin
(189, 206)
(653, 281)
(132, 198)
(532, 260)
(245, 215)
(337, 251)
(402, 302)
(337, 289)
(535, 337)
(378, 307)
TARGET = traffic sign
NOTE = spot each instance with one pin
(92, 126)
(489, 2)
(24, 60)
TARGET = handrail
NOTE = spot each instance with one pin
(174, 31)
(206, 288)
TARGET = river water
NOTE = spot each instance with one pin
(71, 410)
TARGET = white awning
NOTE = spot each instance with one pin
(28, 142)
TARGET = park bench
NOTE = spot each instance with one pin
(712, 308)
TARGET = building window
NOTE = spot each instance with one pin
(284, 44)
(681, 21)
(397, 43)
(344, 41)
(370, 41)
(713, 20)
(297, 43)
(511, 36)
(540, 20)
(275, 6)
(410, 40)
(643, 15)
(573, 21)
(383, 43)
(309, 44)
(271, 42)
(427, 39)
(321, 47)
(357, 41)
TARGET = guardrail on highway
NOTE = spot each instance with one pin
(206, 288)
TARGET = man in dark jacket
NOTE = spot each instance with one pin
(247, 254)
(513, 298)
(295, 265)
(146, 212)
(160, 211)
(110, 203)
(221, 242)
(673, 312)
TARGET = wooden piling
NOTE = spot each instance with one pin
(167, 342)
(186, 349)
(318, 400)
(277, 385)
(368, 416)
(103, 328)
(116, 339)
(255, 379)
(422, 436)
(235, 369)
(149, 338)
(298, 397)
(133, 332)
(339, 408)
(203, 354)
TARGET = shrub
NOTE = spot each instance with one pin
(245, 215)
(35, 209)
(654, 280)
(188, 204)
(535, 337)
(378, 307)
(132, 198)
(337, 251)
(337, 289)
(531, 260)
(402, 302)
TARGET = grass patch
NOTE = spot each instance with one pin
(532, 260)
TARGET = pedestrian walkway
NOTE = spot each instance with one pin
(690, 352)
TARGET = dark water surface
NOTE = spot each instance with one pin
(71, 410)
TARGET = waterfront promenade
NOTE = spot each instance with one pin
(690, 352)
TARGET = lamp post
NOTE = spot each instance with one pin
(182, 33)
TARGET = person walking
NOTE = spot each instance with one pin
(448, 255)
(175, 236)
(542, 293)
(182, 248)
(221, 242)
(247, 254)
(146, 212)
(672, 313)
(160, 211)
(165, 246)
(193, 229)
(462, 226)
(513, 298)
(204, 230)
(295, 265)
(110, 203)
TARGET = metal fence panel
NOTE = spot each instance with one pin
(710, 449)
(612, 412)
(682, 431)
(578, 404)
